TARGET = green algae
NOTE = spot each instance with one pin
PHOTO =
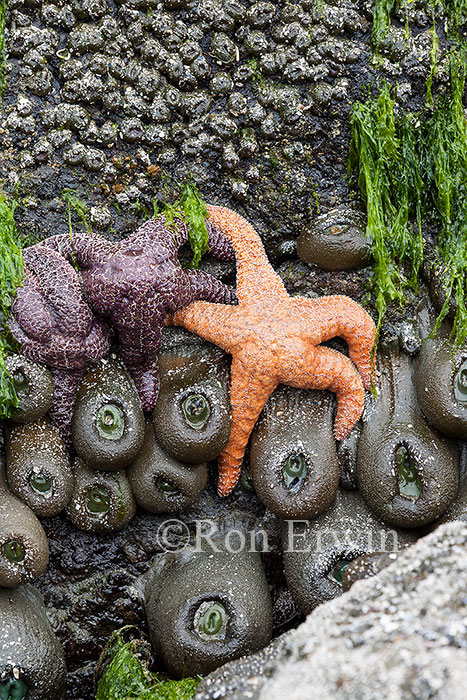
(381, 21)
(191, 208)
(382, 150)
(413, 168)
(126, 676)
(454, 12)
(75, 204)
(443, 163)
(11, 277)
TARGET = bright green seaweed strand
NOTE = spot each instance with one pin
(125, 678)
(192, 209)
(443, 158)
(414, 167)
(383, 151)
(11, 277)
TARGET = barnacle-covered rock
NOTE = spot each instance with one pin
(192, 414)
(32, 664)
(407, 473)
(205, 607)
(38, 467)
(101, 501)
(293, 460)
(108, 421)
(162, 484)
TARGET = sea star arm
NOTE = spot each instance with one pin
(80, 249)
(139, 343)
(60, 285)
(329, 369)
(249, 392)
(201, 286)
(216, 323)
(338, 315)
(66, 386)
(255, 276)
(31, 316)
(219, 245)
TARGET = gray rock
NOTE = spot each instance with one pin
(406, 625)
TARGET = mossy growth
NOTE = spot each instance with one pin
(125, 674)
(191, 208)
(11, 277)
(413, 168)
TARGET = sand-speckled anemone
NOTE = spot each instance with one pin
(162, 484)
(205, 608)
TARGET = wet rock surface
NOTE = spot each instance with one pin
(407, 624)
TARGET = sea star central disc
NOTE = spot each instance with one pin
(274, 338)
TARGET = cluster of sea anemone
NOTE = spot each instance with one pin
(396, 472)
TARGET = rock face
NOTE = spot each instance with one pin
(401, 635)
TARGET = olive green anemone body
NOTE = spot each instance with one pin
(207, 607)
(162, 484)
(38, 468)
(407, 472)
(293, 461)
(458, 509)
(441, 383)
(192, 414)
(32, 664)
(101, 502)
(366, 566)
(24, 550)
(34, 387)
(317, 552)
(336, 240)
(108, 421)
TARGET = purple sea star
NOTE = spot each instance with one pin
(131, 284)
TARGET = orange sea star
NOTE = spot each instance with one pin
(274, 338)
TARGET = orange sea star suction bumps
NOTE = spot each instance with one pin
(274, 339)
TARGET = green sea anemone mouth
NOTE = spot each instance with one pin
(460, 383)
(166, 486)
(211, 620)
(410, 485)
(98, 501)
(14, 689)
(40, 483)
(196, 411)
(294, 472)
(14, 551)
(110, 422)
